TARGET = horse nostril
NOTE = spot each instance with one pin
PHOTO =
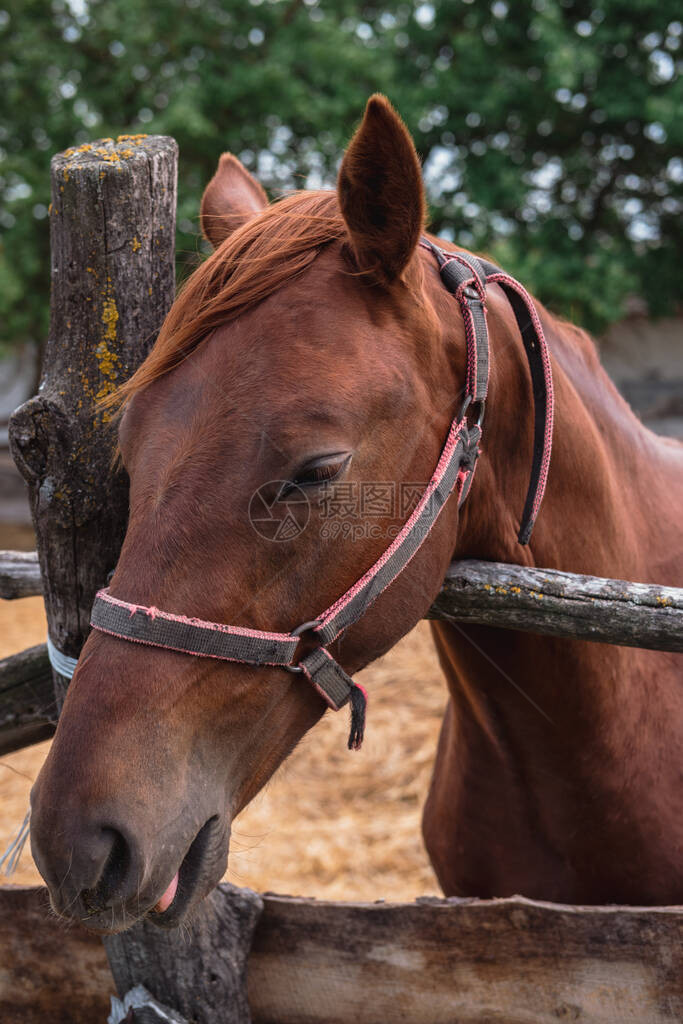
(116, 867)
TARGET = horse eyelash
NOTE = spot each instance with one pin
(324, 473)
(319, 474)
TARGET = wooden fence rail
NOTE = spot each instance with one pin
(562, 604)
(28, 712)
(543, 601)
(313, 962)
(19, 574)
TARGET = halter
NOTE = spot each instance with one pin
(466, 277)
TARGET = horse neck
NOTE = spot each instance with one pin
(566, 715)
(610, 505)
(613, 496)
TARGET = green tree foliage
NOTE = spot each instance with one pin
(548, 129)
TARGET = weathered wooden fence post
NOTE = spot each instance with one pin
(201, 971)
(112, 221)
(112, 239)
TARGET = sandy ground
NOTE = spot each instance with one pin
(331, 823)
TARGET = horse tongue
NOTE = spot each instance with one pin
(168, 897)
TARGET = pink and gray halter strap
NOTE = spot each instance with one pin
(466, 277)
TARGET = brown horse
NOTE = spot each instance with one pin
(318, 343)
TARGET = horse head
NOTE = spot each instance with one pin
(314, 358)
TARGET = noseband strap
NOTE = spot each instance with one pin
(148, 625)
(466, 277)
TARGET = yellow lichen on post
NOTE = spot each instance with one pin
(84, 148)
(110, 316)
(108, 361)
(107, 156)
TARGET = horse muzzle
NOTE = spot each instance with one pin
(107, 877)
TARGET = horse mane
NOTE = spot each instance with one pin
(249, 265)
(252, 263)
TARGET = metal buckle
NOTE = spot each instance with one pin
(465, 406)
(470, 292)
(304, 626)
(297, 632)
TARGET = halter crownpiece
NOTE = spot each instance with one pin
(466, 277)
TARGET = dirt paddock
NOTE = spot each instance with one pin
(331, 823)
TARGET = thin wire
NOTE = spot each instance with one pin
(11, 856)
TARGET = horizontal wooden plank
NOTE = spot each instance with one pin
(440, 961)
(50, 972)
(19, 574)
(506, 596)
(489, 593)
(562, 604)
(27, 701)
(429, 962)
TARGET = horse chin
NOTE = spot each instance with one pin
(201, 870)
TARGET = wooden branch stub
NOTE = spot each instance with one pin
(562, 604)
(202, 976)
(28, 713)
(19, 575)
(112, 228)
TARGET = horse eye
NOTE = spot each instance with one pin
(318, 471)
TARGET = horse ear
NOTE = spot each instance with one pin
(231, 198)
(380, 190)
